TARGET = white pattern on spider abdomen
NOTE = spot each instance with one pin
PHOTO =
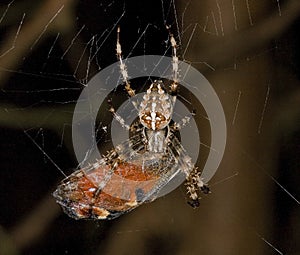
(156, 109)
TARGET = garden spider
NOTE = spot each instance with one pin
(137, 169)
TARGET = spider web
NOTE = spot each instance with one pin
(246, 49)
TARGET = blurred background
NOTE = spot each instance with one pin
(249, 52)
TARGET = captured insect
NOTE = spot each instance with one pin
(135, 171)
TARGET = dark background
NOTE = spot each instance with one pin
(254, 68)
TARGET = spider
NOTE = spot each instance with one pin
(137, 169)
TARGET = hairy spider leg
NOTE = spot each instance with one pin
(183, 122)
(175, 74)
(129, 90)
(117, 116)
(194, 183)
(123, 68)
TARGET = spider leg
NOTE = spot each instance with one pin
(123, 68)
(174, 85)
(183, 122)
(118, 117)
(194, 183)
